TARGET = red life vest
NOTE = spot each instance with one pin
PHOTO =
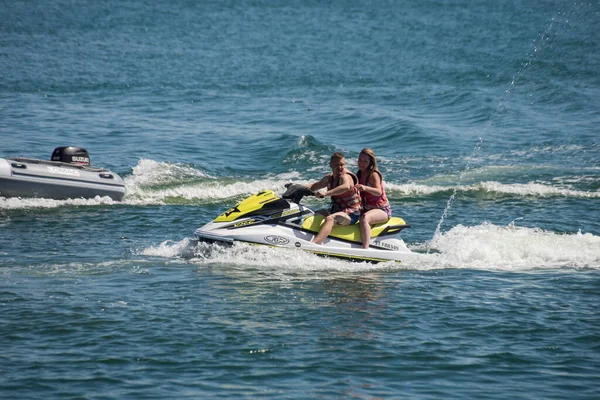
(349, 201)
(371, 201)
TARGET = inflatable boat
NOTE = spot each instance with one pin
(68, 175)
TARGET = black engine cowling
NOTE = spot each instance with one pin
(296, 192)
(72, 155)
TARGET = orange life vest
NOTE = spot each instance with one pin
(371, 201)
(349, 201)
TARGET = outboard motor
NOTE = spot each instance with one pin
(72, 155)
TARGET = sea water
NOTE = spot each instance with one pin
(484, 117)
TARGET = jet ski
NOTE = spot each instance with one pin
(68, 175)
(266, 219)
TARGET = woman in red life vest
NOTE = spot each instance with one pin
(346, 202)
(376, 207)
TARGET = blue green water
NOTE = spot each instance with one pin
(484, 116)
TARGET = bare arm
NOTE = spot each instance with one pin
(346, 185)
(375, 188)
(319, 184)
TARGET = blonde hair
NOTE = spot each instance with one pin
(373, 164)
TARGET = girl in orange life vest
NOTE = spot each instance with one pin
(346, 201)
(376, 207)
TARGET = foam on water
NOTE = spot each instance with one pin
(511, 248)
(481, 247)
(532, 189)
(254, 256)
(170, 249)
(150, 172)
(491, 187)
(211, 191)
(155, 182)
(14, 203)
(76, 269)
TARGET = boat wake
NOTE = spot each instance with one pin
(242, 255)
(164, 183)
(510, 248)
(15, 203)
(213, 191)
(484, 247)
(492, 188)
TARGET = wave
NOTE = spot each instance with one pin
(482, 247)
(14, 203)
(485, 247)
(154, 173)
(79, 268)
(544, 150)
(510, 248)
(217, 191)
(163, 183)
(490, 188)
(242, 255)
(307, 151)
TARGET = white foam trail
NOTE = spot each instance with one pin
(283, 259)
(150, 172)
(170, 249)
(482, 247)
(533, 189)
(14, 203)
(211, 191)
(154, 182)
(206, 191)
(492, 247)
(80, 268)
(549, 150)
(517, 189)
(214, 191)
(261, 257)
(146, 185)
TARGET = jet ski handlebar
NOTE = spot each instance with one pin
(295, 192)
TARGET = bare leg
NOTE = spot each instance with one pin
(325, 230)
(339, 218)
(368, 219)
